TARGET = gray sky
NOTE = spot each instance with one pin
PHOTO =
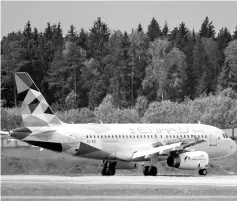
(118, 15)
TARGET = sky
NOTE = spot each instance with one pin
(118, 15)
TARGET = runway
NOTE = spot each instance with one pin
(48, 187)
(131, 180)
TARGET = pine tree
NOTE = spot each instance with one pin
(153, 30)
(234, 37)
(139, 27)
(59, 36)
(228, 77)
(98, 40)
(27, 31)
(97, 51)
(223, 38)
(83, 39)
(48, 33)
(35, 34)
(165, 30)
(182, 37)
(189, 60)
(207, 29)
(173, 35)
(202, 71)
(72, 35)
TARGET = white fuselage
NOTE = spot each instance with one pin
(120, 141)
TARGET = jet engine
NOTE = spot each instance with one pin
(189, 160)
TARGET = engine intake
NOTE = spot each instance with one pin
(189, 160)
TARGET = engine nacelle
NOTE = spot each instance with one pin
(126, 165)
(189, 160)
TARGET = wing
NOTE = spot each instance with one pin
(168, 149)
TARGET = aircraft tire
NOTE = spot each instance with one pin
(152, 171)
(146, 170)
(112, 171)
(202, 172)
(104, 171)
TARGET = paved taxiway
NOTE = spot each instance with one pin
(98, 180)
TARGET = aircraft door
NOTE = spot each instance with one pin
(213, 140)
(72, 140)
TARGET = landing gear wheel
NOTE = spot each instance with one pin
(202, 172)
(146, 170)
(109, 168)
(105, 171)
(152, 171)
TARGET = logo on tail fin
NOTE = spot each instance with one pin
(35, 110)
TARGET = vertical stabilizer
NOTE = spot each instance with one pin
(35, 110)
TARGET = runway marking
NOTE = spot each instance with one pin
(98, 197)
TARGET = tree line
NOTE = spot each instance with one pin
(80, 69)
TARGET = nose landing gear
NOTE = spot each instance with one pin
(202, 172)
(109, 168)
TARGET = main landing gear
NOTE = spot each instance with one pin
(202, 172)
(109, 168)
(149, 171)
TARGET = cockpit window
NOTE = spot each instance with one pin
(224, 135)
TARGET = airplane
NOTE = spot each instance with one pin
(119, 146)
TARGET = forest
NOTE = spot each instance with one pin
(157, 76)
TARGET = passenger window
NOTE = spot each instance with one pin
(144, 136)
(151, 136)
(155, 136)
(94, 136)
(137, 136)
(108, 136)
(105, 136)
(206, 136)
(173, 136)
(115, 136)
(87, 136)
(126, 136)
(134, 136)
(187, 136)
(112, 136)
(101, 136)
(160, 136)
(140, 136)
(166, 136)
(90, 136)
(130, 136)
(98, 136)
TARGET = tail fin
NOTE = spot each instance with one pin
(35, 110)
